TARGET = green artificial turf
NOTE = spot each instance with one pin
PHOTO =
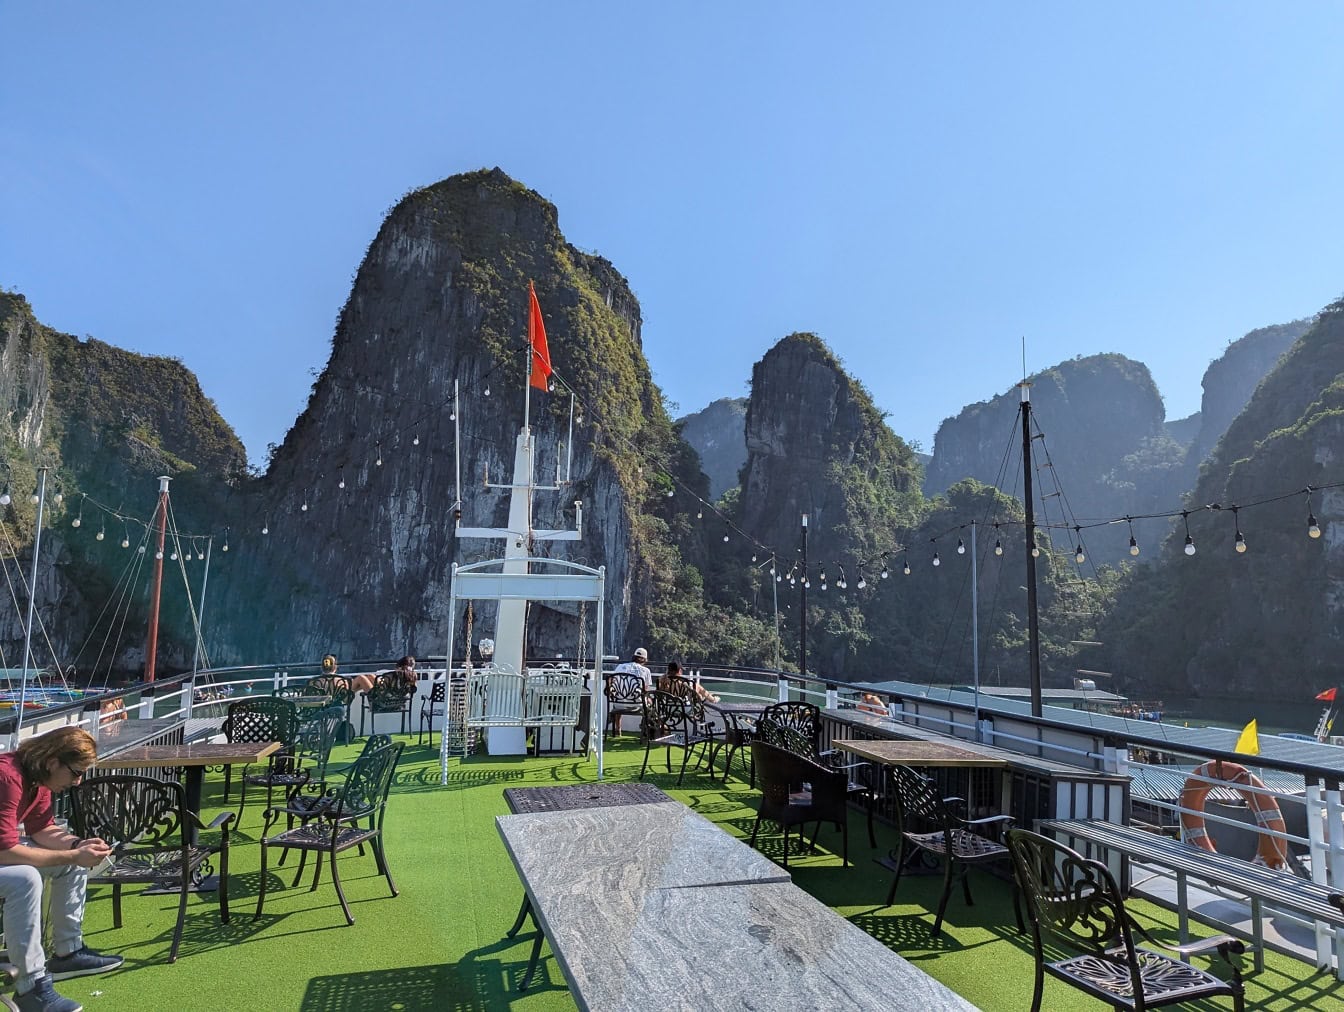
(440, 945)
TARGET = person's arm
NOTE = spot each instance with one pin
(53, 837)
(87, 854)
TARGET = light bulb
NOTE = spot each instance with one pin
(75, 522)
(158, 555)
(578, 420)
(99, 536)
(772, 570)
(1241, 543)
(1078, 556)
(671, 492)
(907, 568)
(1189, 545)
(937, 561)
(34, 497)
(1035, 552)
(125, 543)
(4, 498)
(961, 547)
(842, 584)
(699, 515)
(378, 462)
(173, 557)
(487, 390)
(998, 547)
(753, 556)
(725, 537)
(452, 416)
(1313, 529)
(862, 583)
(341, 483)
(779, 579)
(1133, 546)
(304, 508)
(415, 440)
(59, 498)
(140, 549)
(884, 574)
(823, 586)
(265, 529)
(224, 547)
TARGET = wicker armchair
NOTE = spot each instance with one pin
(795, 791)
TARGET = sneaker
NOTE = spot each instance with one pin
(43, 998)
(81, 964)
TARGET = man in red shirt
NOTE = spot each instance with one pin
(44, 852)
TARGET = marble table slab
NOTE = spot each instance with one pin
(653, 907)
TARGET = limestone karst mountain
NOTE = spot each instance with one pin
(717, 433)
(106, 422)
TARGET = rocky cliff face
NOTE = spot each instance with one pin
(1264, 622)
(817, 445)
(106, 423)
(358, 499)
(718, 434)
(1231, 379)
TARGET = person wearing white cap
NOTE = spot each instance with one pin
(638, 665)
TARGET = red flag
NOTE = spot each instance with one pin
(1328, 696)
(536, 339)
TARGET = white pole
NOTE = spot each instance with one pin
(200, 619)
(569, 445)
(32, 600)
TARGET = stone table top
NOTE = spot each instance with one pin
(652, 906)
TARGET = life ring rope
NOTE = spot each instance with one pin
(1270, 850)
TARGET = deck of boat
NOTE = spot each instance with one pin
(441, 945)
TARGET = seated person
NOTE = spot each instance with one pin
(110, 710)
(405, 668)
(666, 684)
(871, 703)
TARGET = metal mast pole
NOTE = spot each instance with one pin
(1033, 620)
(152, 641)
(975, 626)
(32, 599)
(802, 619)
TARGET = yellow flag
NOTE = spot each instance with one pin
(1248, 742)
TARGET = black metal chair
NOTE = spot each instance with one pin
(795, 791)
(800, 732)
(1075, 903)
(738, 731)
(624, 693)
(265, 718)
(672, 721)
(337, 825)
(434, 705)
(143, 819)
(928, 823)
(301, 769)
(338, 690)
(391, 693)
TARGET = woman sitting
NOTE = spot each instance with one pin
(675, 683)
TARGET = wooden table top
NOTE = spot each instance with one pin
(197, 754)
(917, 753)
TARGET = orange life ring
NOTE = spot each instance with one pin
(1270, 850)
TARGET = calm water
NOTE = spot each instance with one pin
(1273, 717)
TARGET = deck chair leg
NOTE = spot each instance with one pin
(261, 886)
(872, 836)
(382, 860)
(754, 827)
(645, 765)
(966, 886)
(523, 911)
(298, 874)
(685, 756)
(181, 909)
(947, 894)
(532, 961)
(844, 842)
(815, 834)
(317, 870)
(786, 843)
(1040, 986)
(340, 893)
(116, 904)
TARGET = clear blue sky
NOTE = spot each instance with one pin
(921, 185)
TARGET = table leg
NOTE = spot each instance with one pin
(532, 961)
(523, 911)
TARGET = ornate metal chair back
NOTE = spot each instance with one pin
(338, 689)
(365, 787)
(920, 807)
(316, 738)
(665, 714)
(1071, 898)
(129, 812)
(623, 688)
(436, 693)
(802, 718)
(790, 739)
(390, 693)
(264, 719)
